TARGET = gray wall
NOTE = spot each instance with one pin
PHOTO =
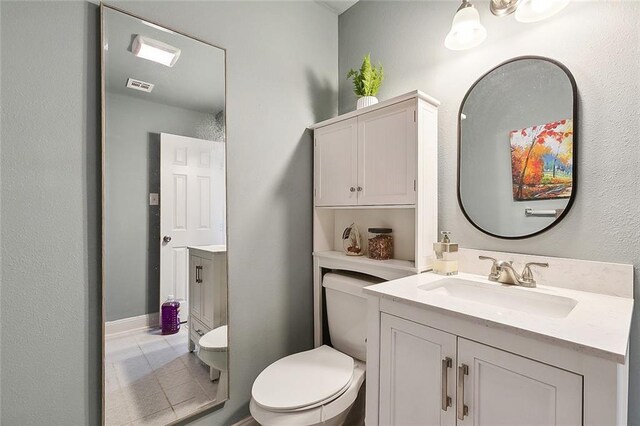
(599, 42)
(282, 68)
(132, 171)
(1, 120)
(50, 193)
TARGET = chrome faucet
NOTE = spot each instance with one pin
(503, 272)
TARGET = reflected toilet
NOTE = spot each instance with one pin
(212, 350)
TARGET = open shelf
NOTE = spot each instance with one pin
(392, 264)
(395, 207)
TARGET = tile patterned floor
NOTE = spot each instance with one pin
(151, 379)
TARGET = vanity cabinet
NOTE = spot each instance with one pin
(207, 300)
(431, 377)
(368, 160)
(417, 378)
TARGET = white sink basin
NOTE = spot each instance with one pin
(503, 297)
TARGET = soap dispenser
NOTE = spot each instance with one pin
(446, 261)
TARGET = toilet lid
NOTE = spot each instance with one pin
(303, 379)
(215, 339)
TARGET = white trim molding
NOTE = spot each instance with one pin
(125, 325)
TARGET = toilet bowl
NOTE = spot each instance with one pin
(319, 386)
(212, 350)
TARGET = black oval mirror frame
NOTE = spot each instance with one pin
(574, 158)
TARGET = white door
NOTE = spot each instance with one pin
(336, 162)
(192, 206)
(387, 150)
(417, 374)
(503, 389)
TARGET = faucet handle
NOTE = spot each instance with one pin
(527, 275)
(494, 267)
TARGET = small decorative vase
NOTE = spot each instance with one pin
(366, 101)
(351, 241)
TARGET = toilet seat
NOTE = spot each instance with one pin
(215, 340)
(330, 413)
(304, 380)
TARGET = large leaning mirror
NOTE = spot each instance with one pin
(516, 148)
(164, 223)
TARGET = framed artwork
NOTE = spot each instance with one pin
(542, 161)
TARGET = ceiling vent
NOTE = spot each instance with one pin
(143, 86)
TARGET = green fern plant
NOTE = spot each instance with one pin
(366, 81)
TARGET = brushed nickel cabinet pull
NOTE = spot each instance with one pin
(463, 410)
(447, 363)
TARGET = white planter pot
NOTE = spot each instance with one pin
(366, 101)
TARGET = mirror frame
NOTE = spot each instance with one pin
(215, 405)
(576, 129)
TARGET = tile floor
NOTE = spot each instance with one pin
(153, 379)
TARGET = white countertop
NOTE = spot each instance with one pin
(212, 248)
(598, 325)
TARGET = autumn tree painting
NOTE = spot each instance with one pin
(542, 161)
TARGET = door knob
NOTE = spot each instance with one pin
(166, 239)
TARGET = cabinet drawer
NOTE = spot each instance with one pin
(198, 329)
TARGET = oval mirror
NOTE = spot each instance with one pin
(516, 148)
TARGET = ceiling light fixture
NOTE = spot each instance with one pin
(466, 29)
(537, 10)
(154, 50)
(503, 7)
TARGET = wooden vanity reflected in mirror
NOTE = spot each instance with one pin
(164, 223)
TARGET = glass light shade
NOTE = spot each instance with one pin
(537, 10)
(466, 30)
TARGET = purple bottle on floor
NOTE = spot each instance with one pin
(170, 318)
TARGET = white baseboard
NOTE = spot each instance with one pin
(125, 325)
(247, 421)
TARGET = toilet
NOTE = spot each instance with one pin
(212, 350)
(319, 386)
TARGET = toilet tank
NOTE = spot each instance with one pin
(347, 312)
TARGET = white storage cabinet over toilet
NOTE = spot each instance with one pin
(376, 167)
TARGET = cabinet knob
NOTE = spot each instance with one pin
(352, 189)
(359, 188)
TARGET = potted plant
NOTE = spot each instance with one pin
(366, 82)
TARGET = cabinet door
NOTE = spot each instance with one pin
(387, 155)
(505, 389)
(195, 297)
(207, 289)
(336, 162)
(415, 374)
(219, 301)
